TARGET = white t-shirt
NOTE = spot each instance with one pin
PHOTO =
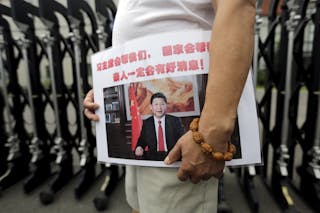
(137, 18)
(151, 189)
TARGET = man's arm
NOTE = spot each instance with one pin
(230, 58)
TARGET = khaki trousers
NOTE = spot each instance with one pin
(158, 190)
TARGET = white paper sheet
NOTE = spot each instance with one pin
(169, 55)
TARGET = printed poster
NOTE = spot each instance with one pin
(160, 77)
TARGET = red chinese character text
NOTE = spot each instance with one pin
(99, 67)
(124, 76)
(182, 66)
(140, 72)
(149, 70)
(131, 73)
(160, 68)
(208, 46)
(201, 47)
(193, 65)
(170, 67)
(189, 48)
(117, 61)
(110, 63)
(132, 57)
(116, 76)
(104, 65)
(177, 49)
(124, 59)
(167, 50)
(142, 55)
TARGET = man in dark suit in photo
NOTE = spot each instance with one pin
(160, 132)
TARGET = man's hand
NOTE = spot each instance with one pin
(231, 48)
(139, 151)
(90, 107)
(195, 165)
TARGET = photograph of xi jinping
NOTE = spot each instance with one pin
(160, 132)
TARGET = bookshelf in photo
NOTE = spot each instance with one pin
(112, 102)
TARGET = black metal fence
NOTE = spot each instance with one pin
(286, 72)
(44, 77)
(44, 49)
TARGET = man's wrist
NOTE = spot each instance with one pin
(207, 148)
(217, 129)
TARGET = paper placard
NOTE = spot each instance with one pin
(125, 77)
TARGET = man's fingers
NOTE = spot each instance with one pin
(88, 101)
(194, 180)
(218, 175)
(206, 177)
(183, 176)
(174, 155)
(90, 115)
(91, 106)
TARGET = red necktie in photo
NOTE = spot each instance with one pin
(160, 138)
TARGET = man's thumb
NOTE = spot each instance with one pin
(174, 155)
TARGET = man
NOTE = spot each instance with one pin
(157, 190)
(160, 132)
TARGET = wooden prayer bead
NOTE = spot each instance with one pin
(232, 149)
(206, 148)
(197, 137)
(217, 156)
(227, 156)
(194, 125)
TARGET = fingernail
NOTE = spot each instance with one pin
(167, 160)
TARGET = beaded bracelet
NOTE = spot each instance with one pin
(206, 148)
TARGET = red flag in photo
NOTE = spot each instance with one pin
(136, 120)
